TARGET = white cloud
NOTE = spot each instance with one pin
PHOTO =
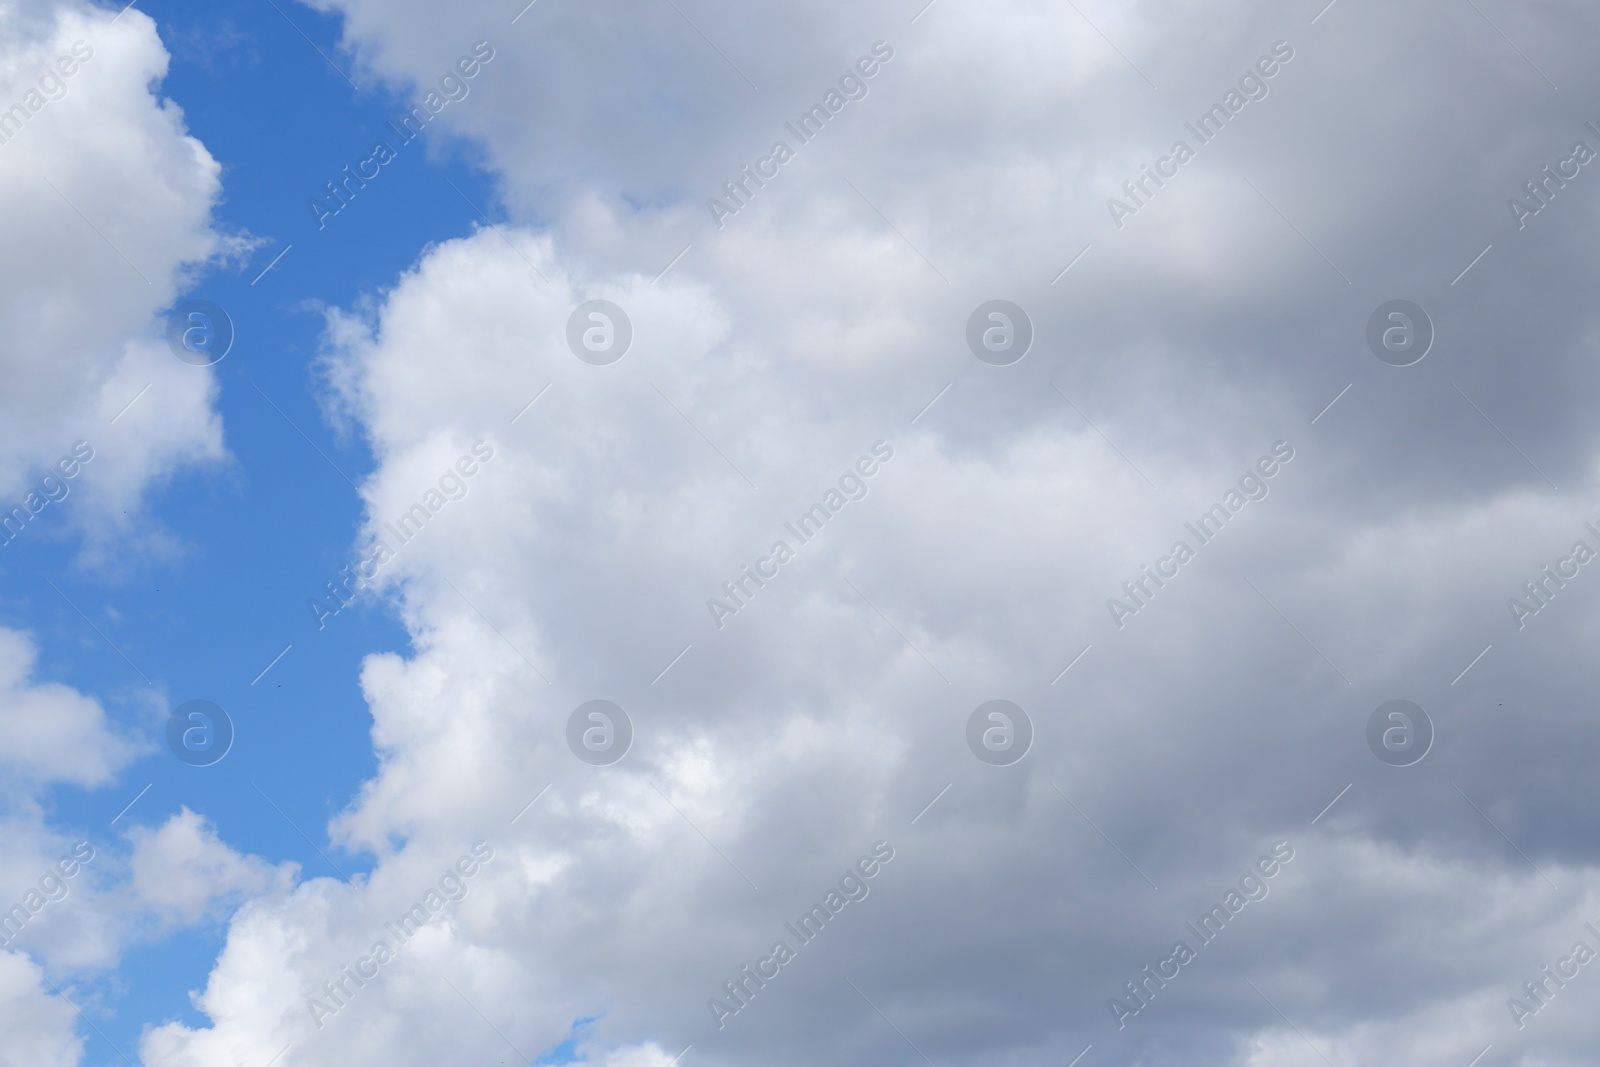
(37, 1027)
(183, 873)
(85, 276)
(51, 732)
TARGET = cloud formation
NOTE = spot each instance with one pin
(86, 276)
(1173, 346)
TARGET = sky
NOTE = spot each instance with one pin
(901, 532)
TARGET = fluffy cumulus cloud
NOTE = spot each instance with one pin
(52, 732)
(38, 1027)
(553, 531)
(83, 135)
(74, 904)
(182, 871)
